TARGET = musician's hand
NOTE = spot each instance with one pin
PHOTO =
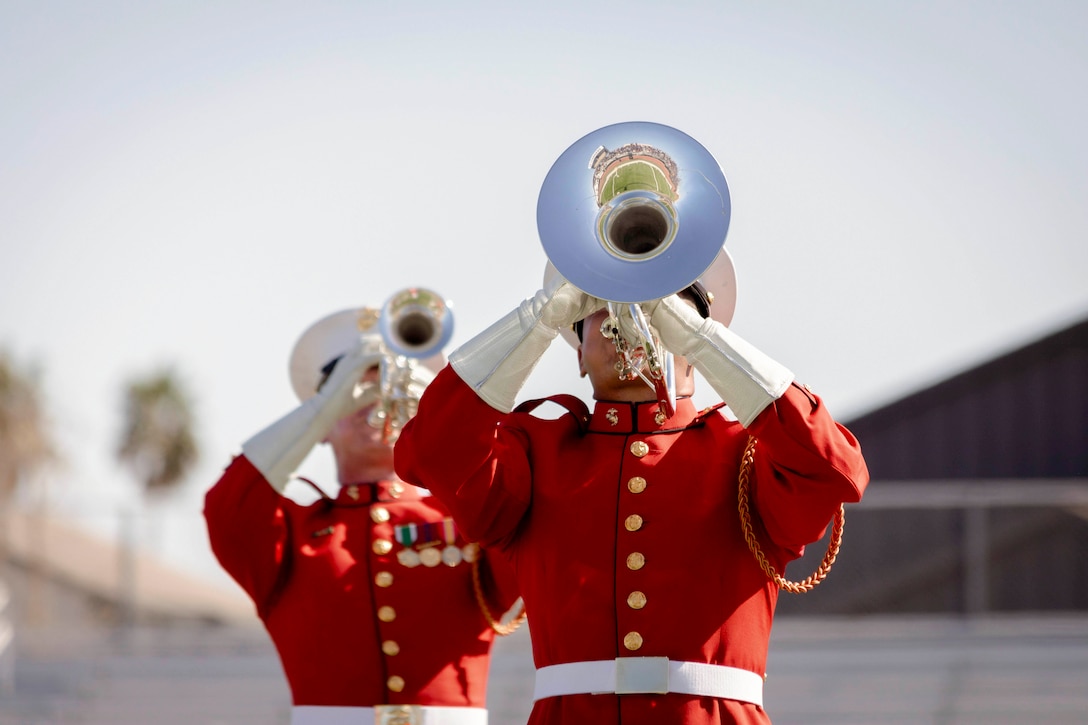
(277, 450)
(560, 304)
(497, 361)
(676, 321)
(747, 379)
(344, 391)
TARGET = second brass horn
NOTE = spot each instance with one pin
(415, 325)
(633, 212)
(416, 322)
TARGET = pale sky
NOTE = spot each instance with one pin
(194, 183)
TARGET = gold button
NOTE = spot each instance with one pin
(390, 647)
(632, 641)
(639, 449)
(636, 484)
(387, 613)
(395, 683)
(396, 490)
(382, 546)
(636, 600)
(635, 561)
(379, 514)
(353, 492)
(383, 579)
(633, 522)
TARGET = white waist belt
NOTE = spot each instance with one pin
(648, 675)
(387, 715)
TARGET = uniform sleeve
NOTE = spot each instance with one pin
(806, 466)
(498, 582)
(248, 531)
(456, 447)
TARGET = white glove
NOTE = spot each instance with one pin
(279, 449)
(497, 362)
(746, 379)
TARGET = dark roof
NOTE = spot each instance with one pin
(1023, 414)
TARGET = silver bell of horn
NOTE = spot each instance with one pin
(415, 325)
(630, 213)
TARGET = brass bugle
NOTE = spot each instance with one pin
(630, 213)
(415, 324)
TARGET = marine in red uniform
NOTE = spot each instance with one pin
(367, 592)
(646, 605)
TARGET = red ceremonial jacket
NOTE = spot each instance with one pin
(587, 523)
(359, 613)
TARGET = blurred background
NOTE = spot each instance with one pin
(185, 187)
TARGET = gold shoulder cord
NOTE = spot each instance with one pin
(750, 538)
(496, 624)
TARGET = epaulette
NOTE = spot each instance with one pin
(317, 488)
(573, 404)
(706, 413)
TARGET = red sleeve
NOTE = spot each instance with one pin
(498, 582)
(248, 531)
(456, 448)
(806, 466)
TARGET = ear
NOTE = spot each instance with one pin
(581, 368)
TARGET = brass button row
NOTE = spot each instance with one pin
(380, 515)
(635, 560)
(391, 648)
(388, 614)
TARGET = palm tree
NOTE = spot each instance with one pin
(157, 442)
(26, 445)
(158, 446)
(25, 440)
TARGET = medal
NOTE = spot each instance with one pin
(422, 544)
(451, 555)
(406, 534)
(430, 556)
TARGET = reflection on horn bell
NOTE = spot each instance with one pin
(633, 212)
(630, 213)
